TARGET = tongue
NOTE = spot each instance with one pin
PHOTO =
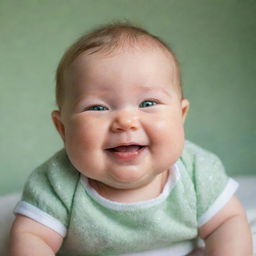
(127, 148)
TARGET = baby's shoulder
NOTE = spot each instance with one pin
(58, 168)
(192, 150)
(194, 157)
(55, 176)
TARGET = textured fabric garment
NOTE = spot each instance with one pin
(56, 195)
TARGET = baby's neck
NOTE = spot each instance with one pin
(149, 191)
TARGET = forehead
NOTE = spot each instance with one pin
(124, 57)
(141, 65)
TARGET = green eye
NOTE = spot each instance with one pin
(97, 108)
(147, 103)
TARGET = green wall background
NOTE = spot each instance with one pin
(215, 41)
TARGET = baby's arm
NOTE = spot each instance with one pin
(28, 237)
(228, 233)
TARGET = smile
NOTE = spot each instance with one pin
(126, 152)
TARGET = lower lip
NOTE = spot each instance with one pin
(127, 156)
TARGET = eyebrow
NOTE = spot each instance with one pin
(142, 88)
(164, 90)
(145, 89)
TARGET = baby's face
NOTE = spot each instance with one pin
(122, 118)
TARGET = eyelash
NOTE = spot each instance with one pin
(92, 108)
(152, 101)
(103, 108)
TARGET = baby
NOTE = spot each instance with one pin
(127, 182)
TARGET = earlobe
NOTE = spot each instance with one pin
(184, 108)
(56, 118)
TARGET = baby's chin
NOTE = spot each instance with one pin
(131, 192)
(134, 180)
(128, 184)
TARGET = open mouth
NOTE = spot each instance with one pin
(126, 152)
(128, 148)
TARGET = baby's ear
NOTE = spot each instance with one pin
(184, 108)
(56, 118)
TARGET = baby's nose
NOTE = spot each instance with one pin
(125, 120)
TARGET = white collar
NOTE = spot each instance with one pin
(171, 182)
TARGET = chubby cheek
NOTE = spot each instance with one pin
(83, 141)
(167, 138)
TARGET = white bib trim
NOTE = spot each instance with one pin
(171, 182)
